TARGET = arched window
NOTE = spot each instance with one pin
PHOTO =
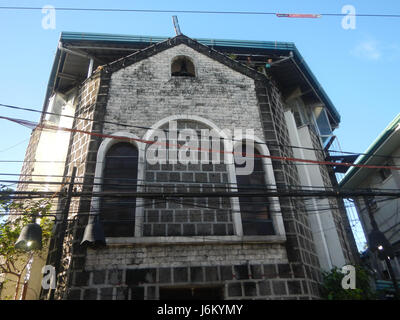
(119, 175)
(255, 211)
(182, 67)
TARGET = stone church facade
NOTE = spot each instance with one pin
(177, 247)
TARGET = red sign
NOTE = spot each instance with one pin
(297, 15)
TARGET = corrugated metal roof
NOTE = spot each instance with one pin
(79, 36)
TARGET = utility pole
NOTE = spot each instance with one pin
(378, 241)
(62, 229)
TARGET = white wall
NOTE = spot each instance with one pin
(325, 235)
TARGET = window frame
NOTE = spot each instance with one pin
(107, 143)
(238, 237)
(110, 210)
(323, 137)
(269, 178)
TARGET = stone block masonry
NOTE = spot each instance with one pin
(191, 244)
(241, 271)
(145, 93)
(187, 216)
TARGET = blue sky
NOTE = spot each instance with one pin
(357, 68)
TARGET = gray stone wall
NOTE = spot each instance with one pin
(141, 95)
(82, 155)
(145, 93)
(187, 216)
(252, 271)
(300, 245)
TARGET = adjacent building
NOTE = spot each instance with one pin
(108, 98)
(384, 151)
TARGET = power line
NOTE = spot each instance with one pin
(291, 15)
(49, 161)
(167, 184)
(15, 145)
(31, 124)
(166, 130)
(253, 201)
(122, 183)
(306, 212)
(316, 211)
(229, 194)
(93, 212)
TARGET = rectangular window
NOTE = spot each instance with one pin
(322, 123)
(300, 115)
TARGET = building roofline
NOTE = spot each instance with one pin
(286, 47)
(378, 143)
(195, 45)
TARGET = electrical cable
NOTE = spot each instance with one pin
(122, 138)
(191, 204)
(290, 15)
(122, 185)
(13, 146)
(166, 130)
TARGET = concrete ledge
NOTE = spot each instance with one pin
(195, 240)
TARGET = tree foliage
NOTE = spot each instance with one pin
(331, 288)
(17, 214)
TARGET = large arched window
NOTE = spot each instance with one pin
(255, 211)
(119, 175)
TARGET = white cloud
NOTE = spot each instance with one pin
(368, 49)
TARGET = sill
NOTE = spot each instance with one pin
(182, 77)
(200, 240)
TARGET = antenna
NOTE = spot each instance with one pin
(176, 25)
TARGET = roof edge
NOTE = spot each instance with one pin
(275, 45)
(378, 142)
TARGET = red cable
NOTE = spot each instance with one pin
(31, 124)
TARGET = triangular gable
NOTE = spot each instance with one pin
(182, 39)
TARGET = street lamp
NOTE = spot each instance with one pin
(378, 241)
